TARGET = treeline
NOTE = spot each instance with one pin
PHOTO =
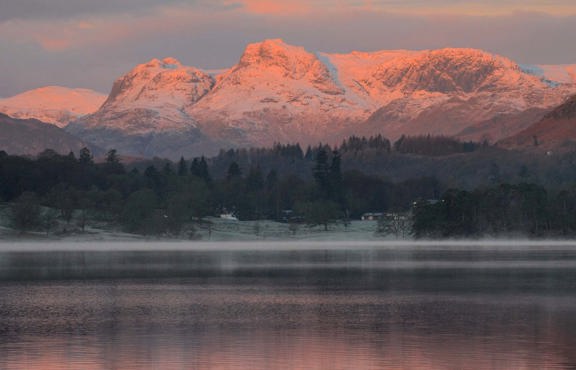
(505, 210)
(163, 197)
(317, 185)
(462, 165)
(428, 145)
(291, 158)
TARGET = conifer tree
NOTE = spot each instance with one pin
(322, 174)
(234, 172)
(85, 156)
(182, 167)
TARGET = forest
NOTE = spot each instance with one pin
(315, 186)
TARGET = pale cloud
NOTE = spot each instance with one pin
(86, 32)
(182, 16)
(288, 8)
(477, 8)
(412, 7)
(68, 9)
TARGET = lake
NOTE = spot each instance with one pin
(292, 305)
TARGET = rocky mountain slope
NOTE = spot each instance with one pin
(145, 115)
(30, 136)
(447, 91)
(277, 92)
(283, 93)
(556, 131)
(53, 104)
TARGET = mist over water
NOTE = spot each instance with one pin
(288, 305)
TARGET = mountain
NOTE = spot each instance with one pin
(555, 131)
(502, 125)
(52, 104)
(553, 74)
(283, 93)
(30, 136)
(145, 115)
(277, 92)
(449, 90)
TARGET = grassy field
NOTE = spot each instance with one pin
(211, 229)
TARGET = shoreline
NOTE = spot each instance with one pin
(281, 245)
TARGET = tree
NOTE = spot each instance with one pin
(112, 157)
(167, 171)
(319, 212)
(48, 219)
(204, 173)
(25, 213)
(112, 164)
(154, 180)
(200, 199)
(139, 212)
(460, 214)
(427, 219)
(273, 194)
(177, 212)
(63, 198)
(182, 167)
(254, 180)
(199, 168)
(396, 224)
(254, 193)
(234, 172)
(494, 176)
(85, 156)
(336, 179)
(523, 173)
(321, 173)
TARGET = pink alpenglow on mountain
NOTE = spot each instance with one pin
(159, 84)
(146, 112)
(53, 104)
(283, 93)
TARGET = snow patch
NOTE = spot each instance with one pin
(332, 69)
(52, 104)
(553, 75)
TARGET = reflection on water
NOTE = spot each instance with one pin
(311, 309)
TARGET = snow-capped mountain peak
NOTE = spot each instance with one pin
(145, 111)
(52, 104)
(274, 62)
(554, 75)
(294, 61)
(160, 83)
(449, 70)
(283, 93)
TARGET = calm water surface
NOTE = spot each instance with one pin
(367, 307)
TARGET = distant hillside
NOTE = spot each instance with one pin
(555, 131)
(30, 136)
(464, 165)
(52, 104)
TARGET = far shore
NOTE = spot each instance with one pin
(254, 235)
(220, 230)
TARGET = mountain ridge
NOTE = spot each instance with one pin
(556, 131)
(52, 104)
(30, 137)
(283, 93)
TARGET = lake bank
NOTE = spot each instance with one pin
(213, 229)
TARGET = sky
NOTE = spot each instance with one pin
(88, 43)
